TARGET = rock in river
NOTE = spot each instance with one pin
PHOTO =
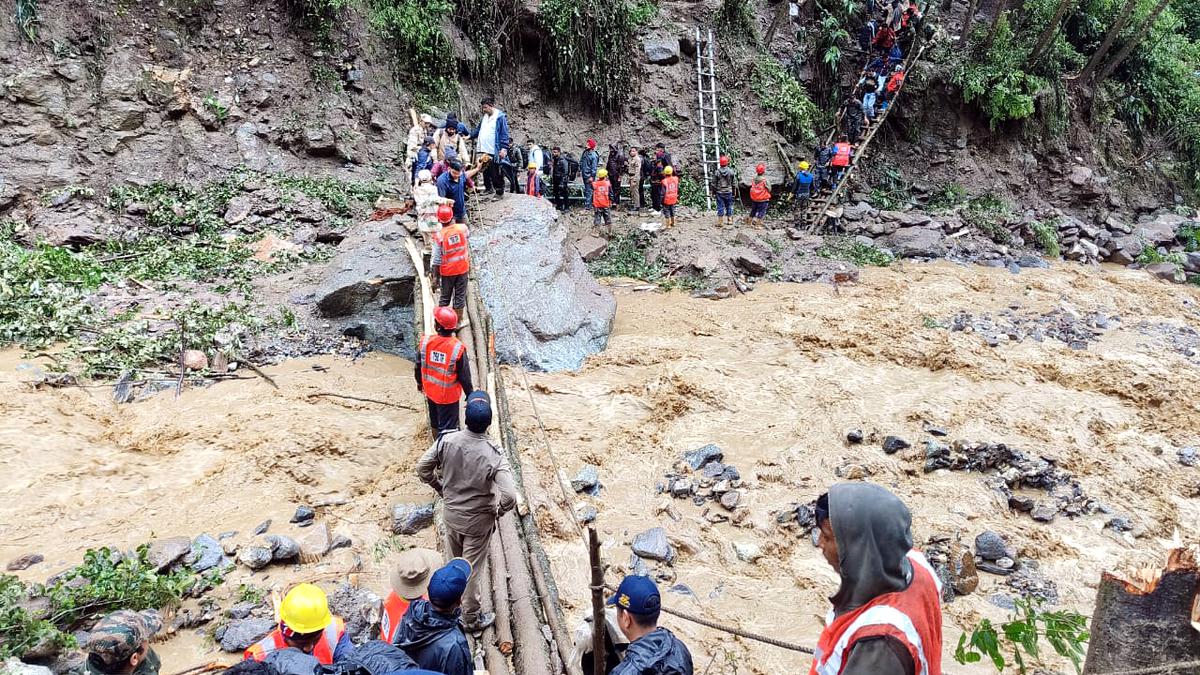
(411, 518)
(894, 444)
(653, 545)
(700, 456)
(992, 546)
(164, 552)
(255, 557)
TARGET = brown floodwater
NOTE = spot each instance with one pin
(775, 377)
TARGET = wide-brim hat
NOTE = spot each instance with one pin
(410, 575)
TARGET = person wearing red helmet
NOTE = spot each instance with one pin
(723, 182)
(760, 196)
(443, 371)
(589, 166)
(450, 262)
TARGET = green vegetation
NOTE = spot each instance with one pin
(324, 76)
(988, 214)
(665, 121)
(105, 582)
(488, 24)
(643, 12)
(27, 19)
(996, 82)
(590, 50)
(890, 191)
(385, 547)
(1018, 642)
(850, 250)
(420, 50)
(1190, 236)
(1151, 255)
(1046, 235)
(218, 109)
(251, 593)
(735, 20)
(319, 16)
(691, 192)
(946, 198)
(626, 257)
(781, 93)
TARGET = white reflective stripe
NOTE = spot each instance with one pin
(268, 643)
(918, 558)
(879, 615)
(331, 636)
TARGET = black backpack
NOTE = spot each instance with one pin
(572, 167)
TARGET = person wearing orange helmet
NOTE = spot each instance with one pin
(443, 371)
(723, 182)
(760, 196)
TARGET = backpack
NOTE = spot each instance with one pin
(572, 167)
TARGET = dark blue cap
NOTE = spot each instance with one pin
(479, 411)
(637, 594)
(446, 586)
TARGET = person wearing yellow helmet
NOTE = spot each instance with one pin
(602, 200)
(533, 180)
(670, 195)
(305, 623)
(804, 182)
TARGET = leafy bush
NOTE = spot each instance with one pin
(781, 93)
(735, 19)
(996, 82)
(27, 19)
(851, 250)
(665, 121)
(318, 16)
(946, 198)
(420, 49)
(1150, 255)
(643, 12)
(590, 50)
(1021, 638)
(1046, 234)
(626, 257)
(692, 193)
(988, 213)
(890, 191)
(219, 110)
(23, 631)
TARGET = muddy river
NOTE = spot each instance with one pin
(775, 378)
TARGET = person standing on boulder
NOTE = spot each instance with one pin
(443, 371)
(471, 474)
(723, 183)
(589, 166)
(120, 644)
(652, 650)
(490, 136)
(887, 614)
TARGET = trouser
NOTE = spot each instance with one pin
(473, 547)
(510, 172)
(454, 287)
(492, 180)
(758, 210)
(656, 195)
(443, 417)
(601, 216)
(616, 191)
(587, 191)
(635, 193)
(724, 204)
(560, 196)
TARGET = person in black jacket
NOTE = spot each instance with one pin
(558, 178)
(662, 159)
(429, 632)
(652, 650)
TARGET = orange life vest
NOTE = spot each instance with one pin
(912, 616)
(841, 154)
(759, 192)
(671, 190)
(323, 652)
(455, 251)
(439, 368)
(895, 81)
(393, 611)
(600, 194)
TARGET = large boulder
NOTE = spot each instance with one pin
(917, 242)
(367, 290)
(548, 310)
(1149, 231)
(661, 51)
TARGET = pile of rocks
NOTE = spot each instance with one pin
(1012, 469)
(264, 549)
(702, 477)
(1062, 324)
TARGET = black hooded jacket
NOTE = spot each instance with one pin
(658, 652)
(434, 640)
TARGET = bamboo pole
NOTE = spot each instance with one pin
(531, 653)
(504, 632)
(599, 625)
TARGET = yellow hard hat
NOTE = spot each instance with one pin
(602, 173)
(531, 166)
(804, 166)
(305, 609)
(667, 171)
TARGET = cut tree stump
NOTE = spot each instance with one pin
(1145, 619)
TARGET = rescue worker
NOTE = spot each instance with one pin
(443, 371)
(589, 166)
(602, 201)
(616, 170)
(760, 196)
(843, 154)
(886, 617)
(804, 183)
(661, 161)
(410, 581)
(893, 86)
(534, 187)
(637, 181)
(450, 265)
(722, 187)
(652, 650)
(670, 195)
(120, 644)
(824, 156)
(468, 470)
(305, 623)
(429, 632)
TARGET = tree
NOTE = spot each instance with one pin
(1049, 32)
(1127, 48)
(965, 35)
(1109, 37)
(991, 36)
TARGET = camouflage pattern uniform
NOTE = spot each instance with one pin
(119, 636)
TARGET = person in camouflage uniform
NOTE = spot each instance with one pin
(120, 644)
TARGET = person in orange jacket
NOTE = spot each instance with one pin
(443, 371)
(602, 200)
(410, 581)
(450, 265)
(670, 195)
(305, 623)
(760, 196)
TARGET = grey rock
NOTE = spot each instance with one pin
(854, 437)
(238, 209)
(1187, 456)
(917, 242)
(750, 264)
(1167, 271)
(340, 541)
(1021, 503)
(587, 480)
(549, 312)
(359, 607)
(1029, 261)
(664, 52)
(14, 666)
(993, 568)
(1044, 511)
(320, 141)
(1119, 524)
(586, 514)
(24, 562)
(302, 514)
(316, 543)
(906, 218)
(894, 444)
(682, 487)
(241, 610)
(254, 557)
(71, 228)
(990, 545)
(411, 518)
(262, 527)
(936, 431)
(242, 633)
(165, 552)
(653, 545)
(591, 248)
(1003, 601)
(283, 548)
(703, 455)
(731, 499)
(746, 551)
(1191, 262)
(205, 554)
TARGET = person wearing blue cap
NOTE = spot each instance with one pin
(468, 470)
(652, 650)
(429, 632)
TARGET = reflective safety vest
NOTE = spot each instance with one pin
(323, 652)
(841, 154)
(912, 616)
(393, 611)
(895, 81)
(600, 194)
(670, 190)
(759, 192)
(455, 251)
(439, 368)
